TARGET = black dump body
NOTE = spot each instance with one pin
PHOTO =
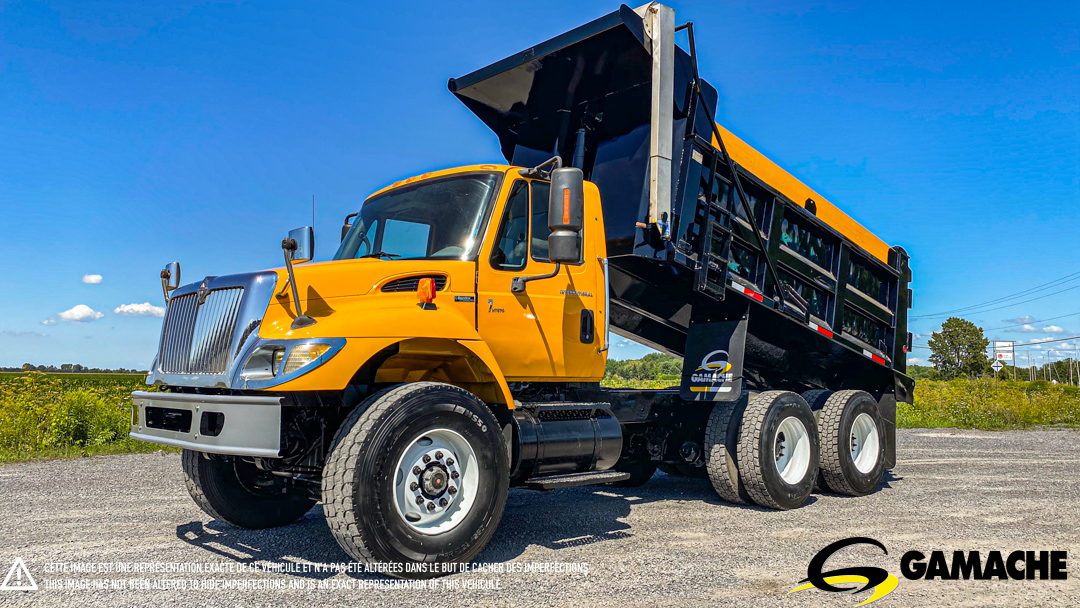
(709, 267)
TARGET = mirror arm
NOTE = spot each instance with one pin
(289, 246)
(165, 284)
(518, 284)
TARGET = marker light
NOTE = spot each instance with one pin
(425, 290)
(566, 206)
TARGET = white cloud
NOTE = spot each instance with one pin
(145, 309)
(80, 313)
(1023, 319)
(622, 343)
(91, 279)
(1053, 329)
(1029, 328)
(914, 360)
(1050, 329)
(7, 333)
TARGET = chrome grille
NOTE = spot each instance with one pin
(197, 337)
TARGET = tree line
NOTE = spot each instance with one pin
(70, 368)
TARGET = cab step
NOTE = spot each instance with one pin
(555, 482)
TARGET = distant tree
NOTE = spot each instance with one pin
(959, 349)
(652, 366)
(65, 367)
(923, 372)
(28, 367)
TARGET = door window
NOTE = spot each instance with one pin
(511, 249)
(540, 231)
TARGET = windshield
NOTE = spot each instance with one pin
(439, 219)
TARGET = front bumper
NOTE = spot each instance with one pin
(218, 424)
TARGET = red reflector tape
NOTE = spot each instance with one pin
(873, 356)
(753, 294)
(821, 330)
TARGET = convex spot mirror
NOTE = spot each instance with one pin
(566, 210)
(305, 243)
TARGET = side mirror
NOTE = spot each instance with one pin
(170, 278)
(303, 246)
(566, 210)
(345, 228)
(171, 275)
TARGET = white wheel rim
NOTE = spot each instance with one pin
(435, 481)
(791, 449)
(865, 444)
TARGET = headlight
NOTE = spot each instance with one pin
(264, 363)
(275, 362)
(304, 354)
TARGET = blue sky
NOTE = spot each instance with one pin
(133, 134)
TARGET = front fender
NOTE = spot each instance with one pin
(371, 324)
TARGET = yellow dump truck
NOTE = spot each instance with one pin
(453, 347)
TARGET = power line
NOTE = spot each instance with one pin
(1039, 343)
(1072, 314)
(967, 309)
(979, 312)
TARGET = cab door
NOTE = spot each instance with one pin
(553, 331)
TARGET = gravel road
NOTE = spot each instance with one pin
(669, 543)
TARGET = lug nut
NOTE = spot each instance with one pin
(452, 490)
(438, 455)
(414, 486)
(431, 506)
(442, 503)
(419, 500)
(454, 475)
(427, 459)
(417, 470)
(450, 462)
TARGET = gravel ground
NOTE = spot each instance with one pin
(669, 543)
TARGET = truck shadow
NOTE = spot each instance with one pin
(556, 520)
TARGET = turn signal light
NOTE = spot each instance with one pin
(425, 290)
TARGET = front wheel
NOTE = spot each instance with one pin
(417, 477)
(239, 493)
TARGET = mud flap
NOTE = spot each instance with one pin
(713, 365)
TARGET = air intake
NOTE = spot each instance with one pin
(413, 283)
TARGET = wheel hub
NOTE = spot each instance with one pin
(436, 481)
(791, 450)
(865, 443)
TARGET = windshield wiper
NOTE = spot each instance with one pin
(379, 254)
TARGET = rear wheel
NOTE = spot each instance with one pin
(239, 493)
(852, 450)
(417, 476)
(816, 400)
(778, 449)
(721, 451)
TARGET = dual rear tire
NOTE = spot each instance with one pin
(774, 447)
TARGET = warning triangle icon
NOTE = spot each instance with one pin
(18, 578)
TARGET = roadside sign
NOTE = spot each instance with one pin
(997, 366)
(1006, 356)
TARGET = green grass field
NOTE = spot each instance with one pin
(69, 415)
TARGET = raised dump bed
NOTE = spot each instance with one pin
(717, 243)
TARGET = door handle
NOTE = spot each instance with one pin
(588, 326)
